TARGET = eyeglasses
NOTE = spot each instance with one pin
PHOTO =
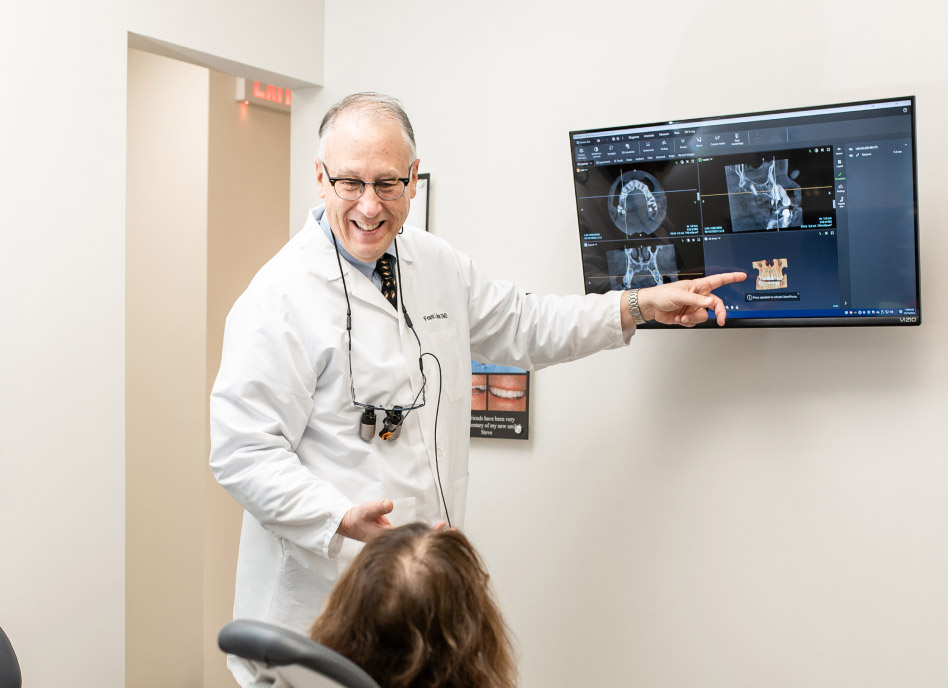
(352, 189)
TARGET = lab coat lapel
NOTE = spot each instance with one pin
(404, 275)
(362, 289)
(359, 287)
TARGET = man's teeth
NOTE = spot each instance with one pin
(367, 228)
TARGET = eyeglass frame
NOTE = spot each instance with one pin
(332, 182)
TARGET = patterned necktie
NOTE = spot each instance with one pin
(384, 269)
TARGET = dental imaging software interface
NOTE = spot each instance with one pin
(817, 205)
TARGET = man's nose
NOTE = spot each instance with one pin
(369, 202)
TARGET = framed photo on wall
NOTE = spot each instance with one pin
(418, 212)
(500, 402)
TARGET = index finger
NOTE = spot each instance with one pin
(719, 280)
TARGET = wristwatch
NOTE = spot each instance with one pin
(634, 307)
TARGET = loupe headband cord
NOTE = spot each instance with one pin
(401, 300)
(345, 291)
(421, 355)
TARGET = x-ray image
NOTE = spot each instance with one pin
(642, 266)
(763, 197)
(637, 203)
(770, 274)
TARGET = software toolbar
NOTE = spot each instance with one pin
(669, 142)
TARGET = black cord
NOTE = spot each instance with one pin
(401, 298)
(421, 355)
(424, 381)
(437, 462)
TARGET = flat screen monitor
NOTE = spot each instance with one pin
(818, 205)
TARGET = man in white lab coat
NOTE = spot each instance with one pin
(295, 383)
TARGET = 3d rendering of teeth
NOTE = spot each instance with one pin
(507, 393)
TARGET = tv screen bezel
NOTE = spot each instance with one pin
(789, 321)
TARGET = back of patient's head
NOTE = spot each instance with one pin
(415, 610)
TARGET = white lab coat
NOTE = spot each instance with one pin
(284, 431)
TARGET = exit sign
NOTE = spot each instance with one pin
(267, 95)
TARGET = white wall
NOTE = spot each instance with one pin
(713, 508)
(62, 305)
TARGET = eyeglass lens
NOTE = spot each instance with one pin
(387, 190)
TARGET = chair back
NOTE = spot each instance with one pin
(9, 665)
(275, 646)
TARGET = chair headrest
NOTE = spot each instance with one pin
(276, 646)
(10, 676)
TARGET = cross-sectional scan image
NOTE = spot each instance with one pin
(766, 192)
(642, 266)
(633, 220)
(764, 196)
(641, 200)
(637, 203)
(770, 274)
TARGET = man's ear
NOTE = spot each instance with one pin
(320, 181)
(413, 184)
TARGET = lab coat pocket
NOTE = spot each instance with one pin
(444, 345)
(305, 579)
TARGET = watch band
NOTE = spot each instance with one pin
(634, 310)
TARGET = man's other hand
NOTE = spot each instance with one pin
(365, 520)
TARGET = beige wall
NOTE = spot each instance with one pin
(248, 216)
(208, 197)
(166, 316)
(715, 509)
(208, 194)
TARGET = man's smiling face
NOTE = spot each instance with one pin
(369, 148)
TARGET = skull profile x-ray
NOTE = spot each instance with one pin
(763, 197)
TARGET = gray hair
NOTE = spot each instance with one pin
(369, 103)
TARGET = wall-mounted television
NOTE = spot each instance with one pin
(818, 205)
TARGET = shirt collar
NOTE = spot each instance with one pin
(365, 268)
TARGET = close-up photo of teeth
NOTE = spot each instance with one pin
(478, 392)
(507, 392)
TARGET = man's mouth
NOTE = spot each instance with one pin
(365, 227)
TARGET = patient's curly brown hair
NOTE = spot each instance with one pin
(415, 610)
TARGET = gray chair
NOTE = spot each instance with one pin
(9, 665)
(273, 646)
